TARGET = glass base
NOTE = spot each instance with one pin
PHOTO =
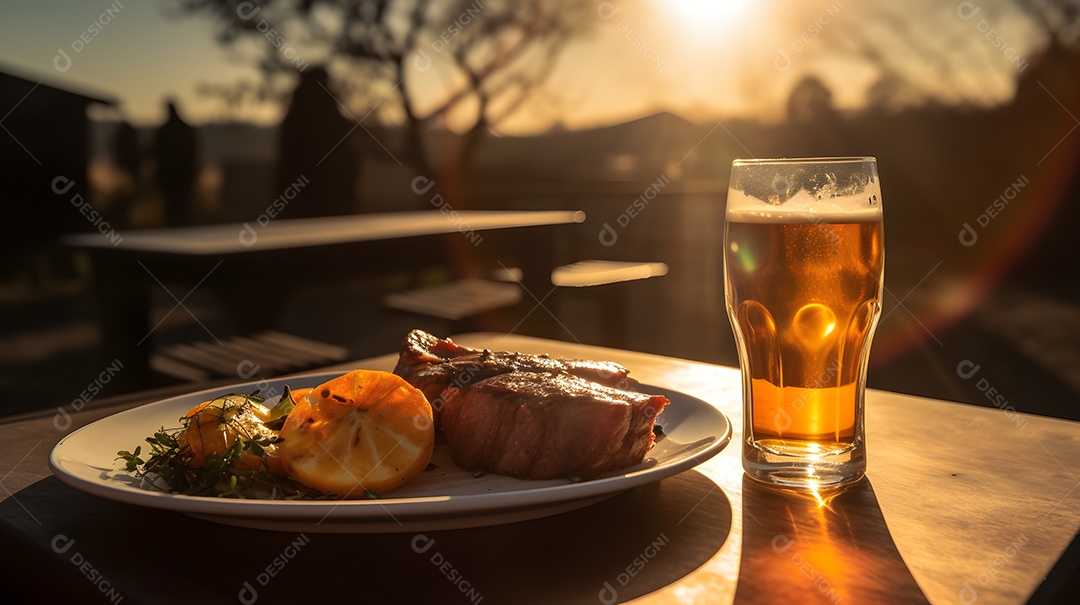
(800, 464)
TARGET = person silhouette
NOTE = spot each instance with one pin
(125, 149)
(176, 156)
(317, 165)
(127, 158)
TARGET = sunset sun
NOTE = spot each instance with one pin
(708, 15)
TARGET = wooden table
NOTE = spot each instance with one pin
(255, 266)
(962, 504)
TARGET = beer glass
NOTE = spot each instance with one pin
(803, 269)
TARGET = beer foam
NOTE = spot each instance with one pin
(805, 208)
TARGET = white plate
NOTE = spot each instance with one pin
(444, 498)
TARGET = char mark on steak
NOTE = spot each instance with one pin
(432, 364)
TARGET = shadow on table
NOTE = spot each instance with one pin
(81, 546)
(807, 548)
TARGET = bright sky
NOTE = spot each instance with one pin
(699, 58)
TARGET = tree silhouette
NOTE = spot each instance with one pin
(906, 38)
(492, 54)
(810, 100)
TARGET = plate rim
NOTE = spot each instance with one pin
(362, 511)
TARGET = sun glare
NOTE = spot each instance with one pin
(708, 15)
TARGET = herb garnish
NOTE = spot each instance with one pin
(169, 467)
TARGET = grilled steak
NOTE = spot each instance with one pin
(531, 416)
(432, 364)
(535, 426)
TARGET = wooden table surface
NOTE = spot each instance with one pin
(961, 504)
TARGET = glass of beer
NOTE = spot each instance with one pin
(803, 269)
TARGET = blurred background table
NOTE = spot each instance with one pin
(961, 504)
(256, 268)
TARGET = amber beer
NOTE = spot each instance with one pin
(803, 284)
